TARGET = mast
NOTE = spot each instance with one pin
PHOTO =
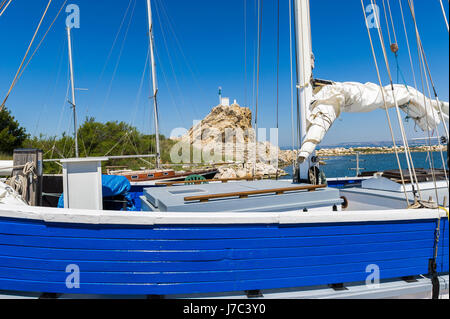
(73, 103)
(154, 80)
(304, 72)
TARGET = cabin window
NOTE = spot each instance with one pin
(150, 175)
(166, 174)
(135, 177)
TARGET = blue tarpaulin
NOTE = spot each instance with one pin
(113, 186)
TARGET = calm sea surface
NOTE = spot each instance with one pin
(341, 166)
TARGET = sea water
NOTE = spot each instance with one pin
(341, 166)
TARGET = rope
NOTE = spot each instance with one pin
(446, 211)
(20, 182)
(42, 40)
(445, 15)
(409, 161)
(408, 155)
(423, 74)
(6, 6)
(385, 105)
(292, 85)
(258, 64)
(24, 58)
(407, 44)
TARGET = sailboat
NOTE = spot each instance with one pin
(242, 239)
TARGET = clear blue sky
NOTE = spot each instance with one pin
(200, 46)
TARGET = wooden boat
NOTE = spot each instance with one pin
(163, 175)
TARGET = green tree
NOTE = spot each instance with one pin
(12, 136)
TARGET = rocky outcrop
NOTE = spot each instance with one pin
(228, 130)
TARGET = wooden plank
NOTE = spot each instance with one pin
(224, 180)
(243, 243)
(162, 277)
(277, 191)
(204, 287)
(216, 265)
(205, 255)
(188, 232)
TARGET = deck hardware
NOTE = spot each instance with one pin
(409, 279)
(335, 209)
(225, 180)
(305, 210)
(254, 294)
(338, 287)
(47, 295)
(206, 198)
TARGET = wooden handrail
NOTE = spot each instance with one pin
(224, 180)
(277, 191)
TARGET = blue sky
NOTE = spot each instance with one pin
(200, 46)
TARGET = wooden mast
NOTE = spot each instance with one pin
(154, 82)
(73, 103)
(304, 72)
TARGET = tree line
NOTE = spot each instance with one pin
(95, 139)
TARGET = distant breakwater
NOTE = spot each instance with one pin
(351, 151)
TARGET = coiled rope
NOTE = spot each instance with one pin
(20, 182)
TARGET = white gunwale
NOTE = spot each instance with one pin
(75, 216)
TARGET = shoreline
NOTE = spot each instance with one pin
(341, 151)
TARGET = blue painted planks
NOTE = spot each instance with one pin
(36, 228)
(225, 264)
(131, 244)
(204, 287)
(210, 258)
(207, 276)
(202, 255)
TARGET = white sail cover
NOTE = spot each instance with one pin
(9, 196)
(354, 97)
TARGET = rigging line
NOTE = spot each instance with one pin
(115, 41)
(415, 85)
(166, 45)
(278, 62)
(192, 69)
(387, 23)
(2, 3)
(42, 40)
(258, 65)
(245, 52)
(26, 54)
(58, 76)
(408, 156)
(385, 106)
(141, 85)
(407, 44)
(6, 6)
(66, 98)
(422, 75)
(108, 93)
(445, 15)
(392, 21)
(423, 55)
(292, 83)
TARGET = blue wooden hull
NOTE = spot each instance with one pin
(165, 260)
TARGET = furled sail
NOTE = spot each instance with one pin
(354, 97)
